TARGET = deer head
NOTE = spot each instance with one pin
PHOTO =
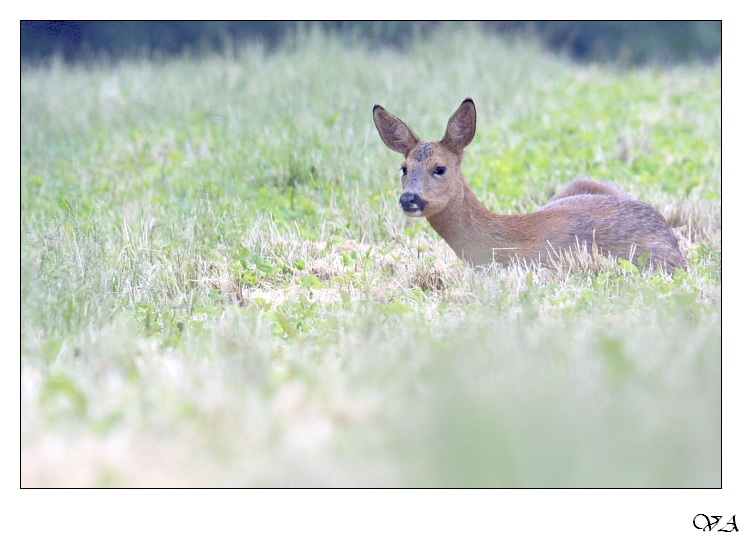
(431, 172)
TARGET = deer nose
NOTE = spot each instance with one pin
(412, 204)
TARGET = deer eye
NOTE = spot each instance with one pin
(403, 168)
(439, 171)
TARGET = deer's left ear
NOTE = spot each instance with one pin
(395, 133)
(461, 126)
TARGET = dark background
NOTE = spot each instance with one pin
(627, 42)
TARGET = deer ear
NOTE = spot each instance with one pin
(461, 126)
(395, 133)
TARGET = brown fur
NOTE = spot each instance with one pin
(588, 186)
(586, 214)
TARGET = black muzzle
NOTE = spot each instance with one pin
(412, 204)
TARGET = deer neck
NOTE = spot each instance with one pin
(474, 233)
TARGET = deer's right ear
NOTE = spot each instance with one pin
(461, 126)
(395, 133)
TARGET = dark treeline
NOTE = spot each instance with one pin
(632, 42)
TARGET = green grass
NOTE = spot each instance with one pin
(219, 289)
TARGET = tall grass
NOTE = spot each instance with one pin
(218, 287)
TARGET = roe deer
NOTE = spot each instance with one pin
(587, 214)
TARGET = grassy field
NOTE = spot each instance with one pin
(218, 287)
